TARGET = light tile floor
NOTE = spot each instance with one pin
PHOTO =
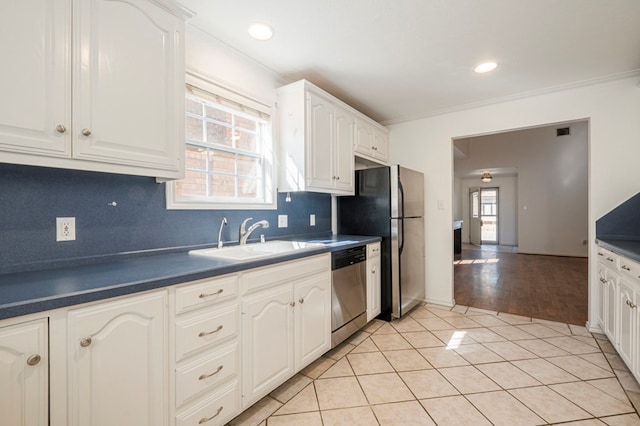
(459, 366)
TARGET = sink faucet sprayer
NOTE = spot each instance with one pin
(222, 224)
(244, 234)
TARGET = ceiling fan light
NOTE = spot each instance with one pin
(260, 31)
(485, 67)
(486, 177)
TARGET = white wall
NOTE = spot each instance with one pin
(613, 109)
(507, 207)
(552, 185)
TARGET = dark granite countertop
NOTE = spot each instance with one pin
(30, 292)
(627, 248)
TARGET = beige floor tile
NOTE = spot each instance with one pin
(502, 409)
(488, 320)
(578, 330)
(454, 411)
(386, 328)
(587, 339)
(634, 397)
(507, 375)
(549, 405)
(341, 368)
(541, 348)
(580, 368)
(373, 326)
(597, 359)
(428, 384)
(545, 372)
(422, 339)
(442, 311)
(257, 413)
(461, 309)
(340, 351)
(514, 319)
(407, 360)
(361, 416)
(468, 379)
(290, 388)
(623, 420)
(477, 354)
(453, 337)
(478, 311)
(421, 312)
(462, 322)
(341, 392)
(366, 346)
(511, 332)
(303, 419)
(406, 324)
(606, 347)
(590, 422)
(592, 399)
(627, 381)
(560, 326)
(358, 337)
(317, 367)
(572, 345)
(442, 357)
(510, 351)
(303, 402)
(434, 323)
(540, 331)
(390, 342)
(611, 387)
(369, 363)
(383, 388)
(402, 413)
(615, 361)
(484, 335)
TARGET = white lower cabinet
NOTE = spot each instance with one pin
(286, 322)
(627, 320)
(24, 374)
(373, 281)
(117, 361)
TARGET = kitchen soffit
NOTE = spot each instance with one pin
(400, 60)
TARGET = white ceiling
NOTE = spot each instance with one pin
(397, 60)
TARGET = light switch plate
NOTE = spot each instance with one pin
(282, 221)
(312, 220)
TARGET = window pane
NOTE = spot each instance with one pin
(193, 184)
(216, 114)
(193, 107)
(248, 166)
(246, 123)
(475, 205)
(222, 162)
(222, 186)
(247, 187)
(195, 158)
(219, 134)
(193, 129)
(246, 141)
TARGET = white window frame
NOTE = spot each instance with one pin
(269, 164)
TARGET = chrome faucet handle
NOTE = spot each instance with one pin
(222, 224)
(244, 224)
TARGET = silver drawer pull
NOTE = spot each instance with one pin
(205, 295)
(207, 419)
(206, 333)
(603, 281)
(301, 300)
(33, 360)
(206, 376)
(610, 259)
(85, 342)
(292, 304)
(631, 304)
(625, 267)
(60, 128)
(600, 254)
(86, 132)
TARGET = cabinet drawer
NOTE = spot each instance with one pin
(214, 410)
(630, 268)
(285, 272)
(608, 257)
(197, 332)
(206, 372)
(206, 292)
(373, 250)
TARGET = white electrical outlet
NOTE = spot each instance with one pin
(65, 228)
(282, 221)
(312, 220)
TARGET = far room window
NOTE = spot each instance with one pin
(229, 153)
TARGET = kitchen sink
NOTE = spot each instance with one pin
(257, 250)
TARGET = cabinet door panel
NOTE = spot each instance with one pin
(602, 282)
(126, 85)
(344, 159)
(119, 376)
(23, 387)
(373, 286)
(626, 326)
(35, 79)
(611, 300)
(320, 136)
(313, 319)
(268, 342)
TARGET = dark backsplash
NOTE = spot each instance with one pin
(32, 197)
(621, 223)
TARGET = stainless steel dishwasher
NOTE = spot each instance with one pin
(348, 292)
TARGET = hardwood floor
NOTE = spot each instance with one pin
(546, 287)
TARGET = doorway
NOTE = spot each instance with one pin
(483, 216)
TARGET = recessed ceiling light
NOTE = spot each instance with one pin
(260, 31)
(485, 67)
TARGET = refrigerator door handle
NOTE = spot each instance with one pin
(401, 203)
(401, 225)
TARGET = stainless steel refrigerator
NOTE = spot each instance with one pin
(389, 202)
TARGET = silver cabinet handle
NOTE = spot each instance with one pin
(86, 132)
(206, 419)
(337, 177)
(85, 342)
(205, 295)
(631, 304)
(60, 128)
(301, 300)
(603, 281)
(33, 360)
(600, 254)
(610, 259)
(625, 267)
(292, 304)
(206, 333)
(206, 376)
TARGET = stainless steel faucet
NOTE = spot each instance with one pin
(222, 224)
(244, 234)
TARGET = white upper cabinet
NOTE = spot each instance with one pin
(101, 89)
(371, 141)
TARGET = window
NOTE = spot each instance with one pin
(229, 154)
